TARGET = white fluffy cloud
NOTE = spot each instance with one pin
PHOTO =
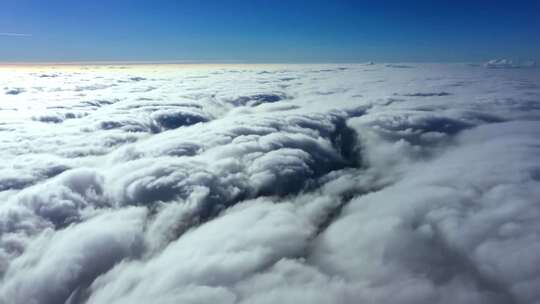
(264, 184)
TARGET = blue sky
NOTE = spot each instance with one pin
(268, 30)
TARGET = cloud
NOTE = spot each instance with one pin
(222, 185)
(399, 66)
(508, 64)
(54, 269)
(420, 94)
(14, 91)
(15, 35)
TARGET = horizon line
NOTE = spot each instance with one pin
(210, 62)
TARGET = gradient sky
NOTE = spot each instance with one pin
(268, 30)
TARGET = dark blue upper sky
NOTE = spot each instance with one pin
(268, 30)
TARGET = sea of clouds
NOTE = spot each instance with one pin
(366, 183)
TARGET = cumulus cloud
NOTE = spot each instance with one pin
(265, 184)
(508, 64)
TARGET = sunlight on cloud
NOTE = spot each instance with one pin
(353, 183)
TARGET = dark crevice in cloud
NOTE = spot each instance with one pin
(14, 91)
(58, 117)
(257, 99)
(8, 182)
(429, 94)
(345, 141)
(167, 120)
(420, 131)
(99, 103)
(344, 199)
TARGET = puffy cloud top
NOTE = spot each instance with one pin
(261, 184)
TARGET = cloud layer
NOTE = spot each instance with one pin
(264, 184)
